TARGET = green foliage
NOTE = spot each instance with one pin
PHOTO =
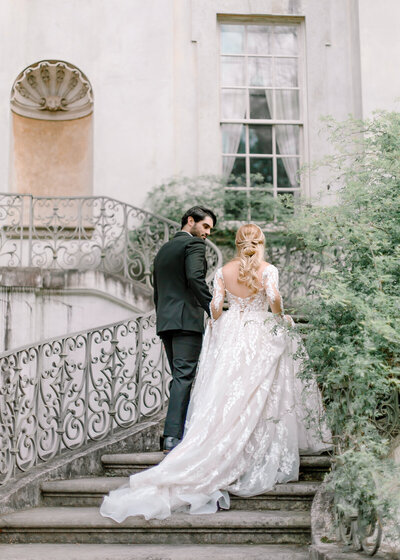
(172, 198)
(365, 481)
(353, 339)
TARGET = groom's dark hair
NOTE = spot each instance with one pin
(198, 213)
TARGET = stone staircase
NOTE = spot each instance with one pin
(275, 525)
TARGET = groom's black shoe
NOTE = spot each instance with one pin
(169, 443)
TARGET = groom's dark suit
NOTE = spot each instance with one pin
(181, 296)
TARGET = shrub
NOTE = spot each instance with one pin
(353, 313)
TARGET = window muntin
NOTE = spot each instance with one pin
(260, 115)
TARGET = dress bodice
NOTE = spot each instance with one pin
(257, 302)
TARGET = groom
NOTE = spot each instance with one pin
(181, 296)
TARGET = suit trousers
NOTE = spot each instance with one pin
(183, 351)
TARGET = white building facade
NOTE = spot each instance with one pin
(187, 88)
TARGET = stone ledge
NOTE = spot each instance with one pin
(90, 491)
(148, 552)
(86, 525)
(72, 518)
(105, 484)
(19, 277)
(98, 280)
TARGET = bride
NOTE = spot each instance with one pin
(247, 417)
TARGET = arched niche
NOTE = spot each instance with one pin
(52, 131)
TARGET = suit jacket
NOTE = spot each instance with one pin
(181, 294)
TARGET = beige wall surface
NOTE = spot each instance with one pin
(51, 157)
(380, 54)
(154, 68)
(125, 47)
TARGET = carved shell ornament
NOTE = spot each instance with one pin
(52, 90)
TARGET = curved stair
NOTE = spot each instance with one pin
(273, 526)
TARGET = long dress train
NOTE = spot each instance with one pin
(247, 417)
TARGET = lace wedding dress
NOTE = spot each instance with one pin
(246, 420)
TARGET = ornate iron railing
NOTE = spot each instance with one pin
(357, 533)
(62, 394)
(85, 233)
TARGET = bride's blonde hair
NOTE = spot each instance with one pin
(249, 239)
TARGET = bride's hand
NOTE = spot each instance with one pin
(289, 320)
(285, 319)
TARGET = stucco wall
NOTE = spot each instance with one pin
(125, 47)
(380, 54)
(51, 157)
(330, 85)
(31, 315)
(154, 69)
(38, 304)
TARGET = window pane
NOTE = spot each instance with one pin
(235, 205)
(233, 104)
(287, 139)
(233, 139)
(260, 71)
(260, 139)
(232, 39)
(261, 206)
(232, 71)
(287, 104)
(234, 169)
(286, 72)
(261, 171)
(259, 75)
(259, 106)
(288, 176)
(285, 39)
(259, 39)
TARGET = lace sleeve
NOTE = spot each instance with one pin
(217, 301)
(271, 286)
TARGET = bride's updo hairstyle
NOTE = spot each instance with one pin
(250, 243)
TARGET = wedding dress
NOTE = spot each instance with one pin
(247, 417)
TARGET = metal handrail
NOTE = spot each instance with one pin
(66, 392)
(85, 233)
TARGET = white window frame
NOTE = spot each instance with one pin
(302, 156)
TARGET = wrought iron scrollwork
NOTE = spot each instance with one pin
(85, 233)
(356, 532)
(63, 393)
(60, 394)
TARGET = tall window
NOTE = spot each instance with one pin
(260, 116)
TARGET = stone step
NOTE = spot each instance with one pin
(151, 552)
(312, 467)
(86, 525)
(90, 491)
